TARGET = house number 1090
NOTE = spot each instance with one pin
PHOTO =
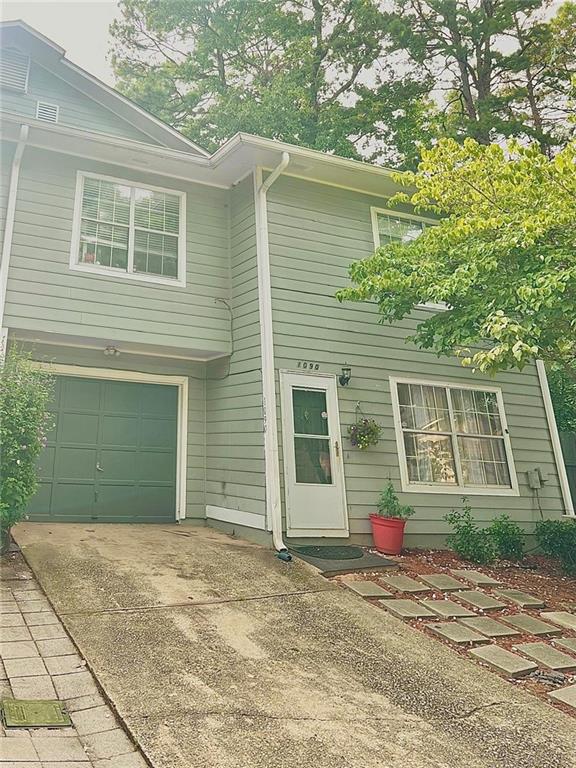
(308, 366)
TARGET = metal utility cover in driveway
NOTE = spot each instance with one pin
(21, 713)
(111, 455)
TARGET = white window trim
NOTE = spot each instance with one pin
(462, 490)
(77, 266)
(374, 211)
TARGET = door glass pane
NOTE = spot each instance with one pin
(310, 412)
(312, 459)
(483, 461)
(430, 458)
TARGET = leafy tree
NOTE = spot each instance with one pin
(312, 72)
(25, 393)
(503, 258)
(499, 68)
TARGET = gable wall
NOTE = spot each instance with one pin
(316, 231)
(76, 110)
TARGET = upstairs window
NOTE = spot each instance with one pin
(14, 70)
(129, 230)
(452, 438)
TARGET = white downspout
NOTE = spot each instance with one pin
(271, 459)
(9, 227)
(555, 437)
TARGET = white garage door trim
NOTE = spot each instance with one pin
(149, 378)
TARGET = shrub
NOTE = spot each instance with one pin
(557, 538)
(388, 504)
(468, 540)
(507, 537)
(25, 393)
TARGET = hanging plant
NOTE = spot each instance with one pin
(364, 433)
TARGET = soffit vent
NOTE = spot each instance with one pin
(14, 69)
(47, 112)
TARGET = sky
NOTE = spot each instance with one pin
(78, 26)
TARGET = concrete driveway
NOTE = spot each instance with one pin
(218, 655)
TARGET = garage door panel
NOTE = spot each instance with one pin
(80, 394)
(75, 462)
(118, 465)
(120, 430)
(80, 428)
(41, 501)
(157, 466)
(157, 399)
(158, 433)
(118, 501)
(46, 462)
(73, 500)
(121, 397)
(157, 502)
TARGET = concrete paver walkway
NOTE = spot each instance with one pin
(217, 655)
(38, 661)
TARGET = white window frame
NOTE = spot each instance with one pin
(374, 211)
(141, 277)
(466, 490)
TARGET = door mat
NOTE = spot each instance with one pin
(339, 552)
(366, 561)
(23, 713)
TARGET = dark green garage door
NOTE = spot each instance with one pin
(111, 456)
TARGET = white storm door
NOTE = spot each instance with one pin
(313, 469)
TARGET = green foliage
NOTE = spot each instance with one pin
(364, 433)
(563, 392)
(25, 393)
(468, 540)
(388, 504)
(557, 538)
(503, 258)
(523, 90)
(313, 73)
(507, 537)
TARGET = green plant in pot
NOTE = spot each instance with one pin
(389, 521)
(25, 393)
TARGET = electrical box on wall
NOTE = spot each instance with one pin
(534, 480)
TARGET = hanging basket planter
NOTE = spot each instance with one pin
(364, 433)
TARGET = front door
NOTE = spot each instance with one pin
(313, 468)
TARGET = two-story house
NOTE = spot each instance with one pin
(185, 303)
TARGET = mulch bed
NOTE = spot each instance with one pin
(537, 575)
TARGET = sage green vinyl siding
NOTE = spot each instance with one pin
(75, 109)
(45, 294)
(316, 231)
(235, 475)
(196, 434)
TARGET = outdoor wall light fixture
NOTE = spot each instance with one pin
(111, 351)
(344, 379)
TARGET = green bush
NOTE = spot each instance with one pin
(388, 504)
(25, 392)
(507, 537)
(468, 540)
(557, 538)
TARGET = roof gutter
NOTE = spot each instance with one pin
(9, 227)
(271, 459)
(555, 439)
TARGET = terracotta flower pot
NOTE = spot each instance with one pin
(388, 534)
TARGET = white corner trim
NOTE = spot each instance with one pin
(555, 439)
(10, 218)
(466, 490)
(271, 452)
(236, 517)
(128, 274)
(181, 382)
